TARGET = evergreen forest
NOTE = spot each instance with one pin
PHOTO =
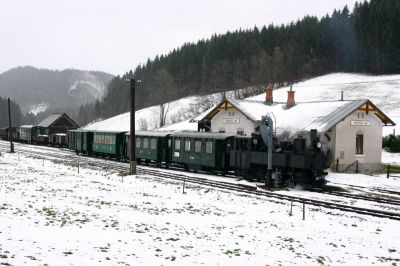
(16, 117)
(365, 39)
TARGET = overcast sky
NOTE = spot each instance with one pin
(116, 35)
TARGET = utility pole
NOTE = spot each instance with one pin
(9, 129)
(133, 137)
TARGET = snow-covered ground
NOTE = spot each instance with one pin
(390, 158)
(52, 215)
(381, 90)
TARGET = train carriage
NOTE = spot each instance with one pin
(150, 146)
(4, 133)
(109, 143)
(31, 134)
(201, 150)
(80, 141)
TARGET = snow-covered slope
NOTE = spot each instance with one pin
(147, 118)
(383, 91)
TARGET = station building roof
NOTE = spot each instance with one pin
(303, 116)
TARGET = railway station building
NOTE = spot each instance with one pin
(350, 130)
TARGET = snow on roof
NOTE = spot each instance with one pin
(187, 125)
(49, 120)
(301, 117)
(151, 133)
(203, 135)
(381, 90)
(26, 126)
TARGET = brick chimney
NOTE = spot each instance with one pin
(269, 99)
(290, 99)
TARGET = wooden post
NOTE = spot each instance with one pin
(337, 165)
(291, 208)
(78, 167)
(357, 167)
(183, 190)
(132, 136)
(388, 171)
(304, 210)
(9, 129)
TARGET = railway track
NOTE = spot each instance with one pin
(70, 157)
(355, 196)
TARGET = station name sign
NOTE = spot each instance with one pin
(360, 123)
(231, 121)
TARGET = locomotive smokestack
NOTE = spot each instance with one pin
(269, 99)
(290, 100)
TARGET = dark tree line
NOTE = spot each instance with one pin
(16, 117)
(366, 40)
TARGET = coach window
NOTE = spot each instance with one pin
(209, 147)
(145, 143)
(153, 143)
(137, 142)
(187, 144)
(359, 143)
(197, 146)
(177, 144)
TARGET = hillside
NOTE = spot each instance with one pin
(381, 90)
(362, 39)
(38, 89)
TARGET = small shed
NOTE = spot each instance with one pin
(56, 126)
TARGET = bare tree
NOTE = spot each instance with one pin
(143, 124)
(164, 85)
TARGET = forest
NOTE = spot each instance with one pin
(365, 39)
(16, 116)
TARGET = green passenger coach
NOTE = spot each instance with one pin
(150, 146)
(201, 151)
(80, 141)
(108, 142)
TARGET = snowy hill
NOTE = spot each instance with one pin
(383, 91)
(35, 89)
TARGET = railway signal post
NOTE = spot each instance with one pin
(9, 129)
(132, 138)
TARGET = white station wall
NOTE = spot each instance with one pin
(232, 121)
(370, 127)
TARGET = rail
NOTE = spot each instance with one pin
(206, 182)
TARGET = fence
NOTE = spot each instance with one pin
(393, 171)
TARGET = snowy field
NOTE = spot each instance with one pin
(51, 215)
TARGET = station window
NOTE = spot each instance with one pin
(240, 131)
(153, 144)
(137, 142)
(187, 144)
(145, 143)
(197, 146)
(359, 144)
(177, 144)
(209, 147)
